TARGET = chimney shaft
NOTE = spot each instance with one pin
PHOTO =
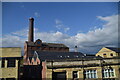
(31, 30)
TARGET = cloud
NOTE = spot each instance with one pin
(15, 38)
(58, 21)
(89, 42)
(52, 37)
(66, 29)
(22, 33)
(61, 26)
(12, 41)
(36, 14)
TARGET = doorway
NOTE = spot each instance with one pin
(59, 76)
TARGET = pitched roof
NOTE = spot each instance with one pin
(47, 44)
(45, 55)
(54, 45)
(114, 49)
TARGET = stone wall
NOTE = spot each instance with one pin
(10, 52)
(9, 72)
(80, 66)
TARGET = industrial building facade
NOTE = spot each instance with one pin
(57, 63)
(64, 66)
(38, 45)
(85, 69)
(77, 66)
(9, 63)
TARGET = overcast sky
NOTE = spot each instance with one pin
(89, 25)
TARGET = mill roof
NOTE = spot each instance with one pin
(54, 45)
(114, 49)
(48, 44)
(45, 55)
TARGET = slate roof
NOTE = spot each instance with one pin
(45, 55)
(114, 49)
(47, 44)
(54, 45)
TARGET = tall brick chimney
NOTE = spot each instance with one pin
(31, 30)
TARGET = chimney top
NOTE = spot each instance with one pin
(31, 18)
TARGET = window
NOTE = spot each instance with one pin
(104, 55)
(0, 63)
(111, 54)
(110, 79)
(68, 56)
(37, 63)
(76, 56)
(60, 56)
(38, 42)
(3, 62)
(98, 55)
(75, 74)
(108, 73)
(90, 74)
(58, 76)
(11, 63)
(10, 78)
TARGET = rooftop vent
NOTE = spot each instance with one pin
(75, 48)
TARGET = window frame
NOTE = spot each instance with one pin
(90, 74)
(11, 64)
(108, 73)
(3, 63)
(75, 74)
(104, 55)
